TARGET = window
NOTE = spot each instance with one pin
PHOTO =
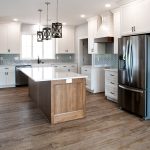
(31, 49)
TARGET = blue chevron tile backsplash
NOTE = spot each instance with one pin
(107, 59)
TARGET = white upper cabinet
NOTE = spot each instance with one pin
(134, 17)
(10, 38)
(93, 26)
(13, 43)
(142, 18)
(116, 18)
(3, 38)
(65, 44)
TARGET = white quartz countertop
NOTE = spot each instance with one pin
(39, 74)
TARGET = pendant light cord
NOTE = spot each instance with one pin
(47, 3)
(40, 10)
(57, 11)
(47, 14)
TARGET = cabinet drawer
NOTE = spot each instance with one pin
(111, 92)
(111, 82)
(86, 72)
(111, 76)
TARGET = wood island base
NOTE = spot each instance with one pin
(59, 100)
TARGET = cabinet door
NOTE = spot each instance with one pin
(116, 30)
(13, 32)
(142, 22)
(127, 18)
(66, 43)
(2, 78)
(92, 30)
(10, 79)
(3, 38)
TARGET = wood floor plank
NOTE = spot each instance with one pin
(105, 127)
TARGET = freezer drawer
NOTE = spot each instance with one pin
(132, 100)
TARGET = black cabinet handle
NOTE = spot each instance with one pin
(132, 29)
(112, 75)
(112, 93)
(112, 83)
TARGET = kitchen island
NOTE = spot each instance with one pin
(60, 95)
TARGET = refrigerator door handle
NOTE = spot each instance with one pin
(131, 89)
(127, 60)
(131, 52)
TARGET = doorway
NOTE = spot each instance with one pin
(84, 57)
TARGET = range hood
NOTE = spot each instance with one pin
(105, 31)
(104, 40)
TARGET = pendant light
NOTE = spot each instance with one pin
(47, 30)
(57, 26)
(40, 33)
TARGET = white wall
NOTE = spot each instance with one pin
(29, 29)
(81, 31)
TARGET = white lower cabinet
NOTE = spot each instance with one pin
(66, 67)
(111, 84)
(7, 76)
(95, 81)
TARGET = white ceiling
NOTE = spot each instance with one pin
(70, 10)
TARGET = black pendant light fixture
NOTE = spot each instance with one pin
(40, 33)
(57, 26)
(47, 32)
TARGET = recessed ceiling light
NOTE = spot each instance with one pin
(64, 23)
(82, 16)
(15, 19)
(107, 5)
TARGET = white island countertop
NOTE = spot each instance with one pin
(39, 74)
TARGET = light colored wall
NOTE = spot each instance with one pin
(29, 29)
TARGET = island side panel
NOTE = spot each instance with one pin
(67, 100)
(45, 98)
(33, 91)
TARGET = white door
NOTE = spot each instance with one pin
(13, 38)
(127, 18)
(66, 43)
(10, 79)
(3, 38)
(2, 79)
(142, 21)
(92, 30)
(116, 30)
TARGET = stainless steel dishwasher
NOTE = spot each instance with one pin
(21, 78)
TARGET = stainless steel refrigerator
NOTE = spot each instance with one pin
(134, 75)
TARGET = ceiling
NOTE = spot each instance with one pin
(69, 10)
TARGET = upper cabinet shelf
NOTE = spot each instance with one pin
(10, 38)
(134, 18)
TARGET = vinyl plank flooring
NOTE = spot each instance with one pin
(105, 127)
